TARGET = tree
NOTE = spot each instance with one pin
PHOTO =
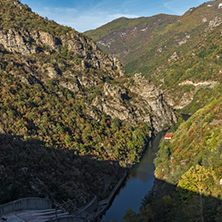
(131, 216)
(199, 181)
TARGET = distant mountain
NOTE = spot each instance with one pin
(67, 109)
(128, 39)
(162, 43)
(183, 57)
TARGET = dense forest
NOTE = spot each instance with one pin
(188, 172)
(73, 121)
(188, 167)
(54, 142)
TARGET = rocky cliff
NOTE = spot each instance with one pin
(75, 62)
(137, 100)
(71, 119)
(28, 42)
(160, 45)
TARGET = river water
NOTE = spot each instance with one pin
(139, 182)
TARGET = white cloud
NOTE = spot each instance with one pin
(86, 15)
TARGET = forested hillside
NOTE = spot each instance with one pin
(186, 65)
(196, 76)
(188, 172)
(67, 108)
(178, 53)
(128, 39)
(188, 167)
(73, 121)
(142, 37)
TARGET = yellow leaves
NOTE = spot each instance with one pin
(200, 180)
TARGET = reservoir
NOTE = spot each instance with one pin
(138, 184)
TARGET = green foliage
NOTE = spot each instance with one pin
(17, 16)
(62, 146)
(149, 52)
(30, 168)
(54, 115)
(199, 180)
(194, 142)
(190, 165)
(131, 216)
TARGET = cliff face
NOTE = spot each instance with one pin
(152, 97)
(140, 101)
(169, 50)
(28, 42)
(71, 119)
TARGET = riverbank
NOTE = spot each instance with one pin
(139, 181)
(105, 204)
(94, 210)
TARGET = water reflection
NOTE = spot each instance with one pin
(138, 184)
(143, 176)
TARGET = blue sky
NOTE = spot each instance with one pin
(84, 15)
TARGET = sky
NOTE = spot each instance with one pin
(83, 15)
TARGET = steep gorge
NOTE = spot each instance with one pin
(67, 108)
(172, 49)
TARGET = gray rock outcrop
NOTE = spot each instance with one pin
(147, 104)
(140, 101)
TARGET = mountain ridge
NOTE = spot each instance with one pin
(170, 46)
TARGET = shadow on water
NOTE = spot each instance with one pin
(24, 162)
(164, 202)
(168, 203)
(138, 183)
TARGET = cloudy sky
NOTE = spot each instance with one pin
(84, 15)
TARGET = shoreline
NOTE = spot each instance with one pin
(105, 204)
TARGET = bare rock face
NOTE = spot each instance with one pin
(140, 101)
(26, 43)
(173, 57)
(116, 92)
(87, 50)
(2, 131)
(162, 115)
(52, 73)
(17, 42)
(69, 86)
(47, 39)
(215, 22)
(147, 104)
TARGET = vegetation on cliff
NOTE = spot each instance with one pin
(69, 122)
(197, 141)
(179, 53)
(187, 67)
(188, 172)
(15, 15)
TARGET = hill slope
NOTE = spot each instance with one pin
(68, 108)
(126, 38)
(141, 35)
(169, 44)
(188, 171)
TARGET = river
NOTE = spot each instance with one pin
(139, 182)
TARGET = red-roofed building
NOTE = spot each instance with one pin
(168, 136)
